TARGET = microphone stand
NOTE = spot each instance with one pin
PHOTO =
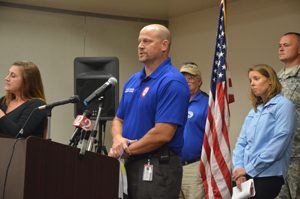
(48, 135)
(101, 147)
(93, 135)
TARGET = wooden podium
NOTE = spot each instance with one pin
(42, 169)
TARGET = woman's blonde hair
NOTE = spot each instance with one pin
(275, 86)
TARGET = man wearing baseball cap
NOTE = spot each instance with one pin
(191, 187)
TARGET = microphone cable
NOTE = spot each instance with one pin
(21, 132)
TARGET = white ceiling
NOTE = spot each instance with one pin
(152, 9)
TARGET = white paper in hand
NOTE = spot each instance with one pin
(248, 190)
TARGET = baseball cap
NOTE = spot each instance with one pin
(191, 68)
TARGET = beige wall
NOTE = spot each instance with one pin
(53, 40)
(253, 30)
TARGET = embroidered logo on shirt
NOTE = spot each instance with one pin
(190, 114)
(145, 91)
(129, 90)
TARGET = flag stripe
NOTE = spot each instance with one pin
(215, 164)
(219, 163)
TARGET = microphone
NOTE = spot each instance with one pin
(84, 142)
(73, 99)
(86, 134)
(110, 82)
(81, 122)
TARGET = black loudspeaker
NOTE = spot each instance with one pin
(89, 74)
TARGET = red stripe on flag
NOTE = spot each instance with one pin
(213, 151)
(215, 164)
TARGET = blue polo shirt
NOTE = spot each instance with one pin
(195, 127)
(162, 97)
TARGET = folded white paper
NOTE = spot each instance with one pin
(248, 190)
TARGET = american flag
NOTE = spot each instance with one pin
(215, 164)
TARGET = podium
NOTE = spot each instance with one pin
(41, 169)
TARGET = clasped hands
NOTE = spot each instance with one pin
(120, 147)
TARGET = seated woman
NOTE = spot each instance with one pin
(24, 93)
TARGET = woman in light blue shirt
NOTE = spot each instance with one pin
(263, 148)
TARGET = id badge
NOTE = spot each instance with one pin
(148, 172)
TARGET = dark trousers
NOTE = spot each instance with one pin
(267, 187)
(166, 181)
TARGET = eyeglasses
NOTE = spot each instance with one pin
(190, 77)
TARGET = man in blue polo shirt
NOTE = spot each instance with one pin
(148, 127)
(192, 187)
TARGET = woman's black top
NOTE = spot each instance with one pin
(14, 121)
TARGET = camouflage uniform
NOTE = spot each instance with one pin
(291, 89)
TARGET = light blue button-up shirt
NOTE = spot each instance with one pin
(264, 145)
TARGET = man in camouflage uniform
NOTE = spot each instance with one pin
(289, 76)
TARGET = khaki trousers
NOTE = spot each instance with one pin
(191, 186)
